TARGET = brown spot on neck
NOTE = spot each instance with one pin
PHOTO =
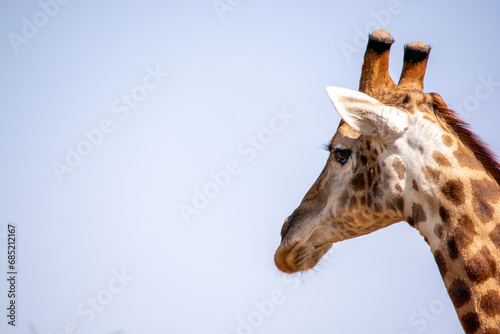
(452, 248)
(459, 292)
(453, 190)
(466, 159)
(495, 236)
(440, 159)
(432, 175)
(483, 210)
(415, 185)
(464, 231)
(399, 168)
(445, 215)
(400, 204)
(417, 214)
(490, 303)
(487, 189)
(441, 263)
(470, 322)
(485, 192)
(447, 140)
(438, 230)
(482, 266)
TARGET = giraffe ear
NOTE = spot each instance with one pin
(365, 114)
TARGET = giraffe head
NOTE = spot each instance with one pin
(389, 136)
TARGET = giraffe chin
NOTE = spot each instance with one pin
(292, 258)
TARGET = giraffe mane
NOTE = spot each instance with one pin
(481, 151)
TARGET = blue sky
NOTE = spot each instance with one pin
(117, 116)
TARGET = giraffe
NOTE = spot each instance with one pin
(400, 154)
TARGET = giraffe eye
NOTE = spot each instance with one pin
(341, 155)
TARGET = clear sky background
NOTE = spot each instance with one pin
(115, 116)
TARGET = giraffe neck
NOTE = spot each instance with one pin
(460, 219)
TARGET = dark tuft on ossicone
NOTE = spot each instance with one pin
(379, 41)
(415, 52)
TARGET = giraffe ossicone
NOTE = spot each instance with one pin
(400, 154)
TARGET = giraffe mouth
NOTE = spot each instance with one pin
(292, 258)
